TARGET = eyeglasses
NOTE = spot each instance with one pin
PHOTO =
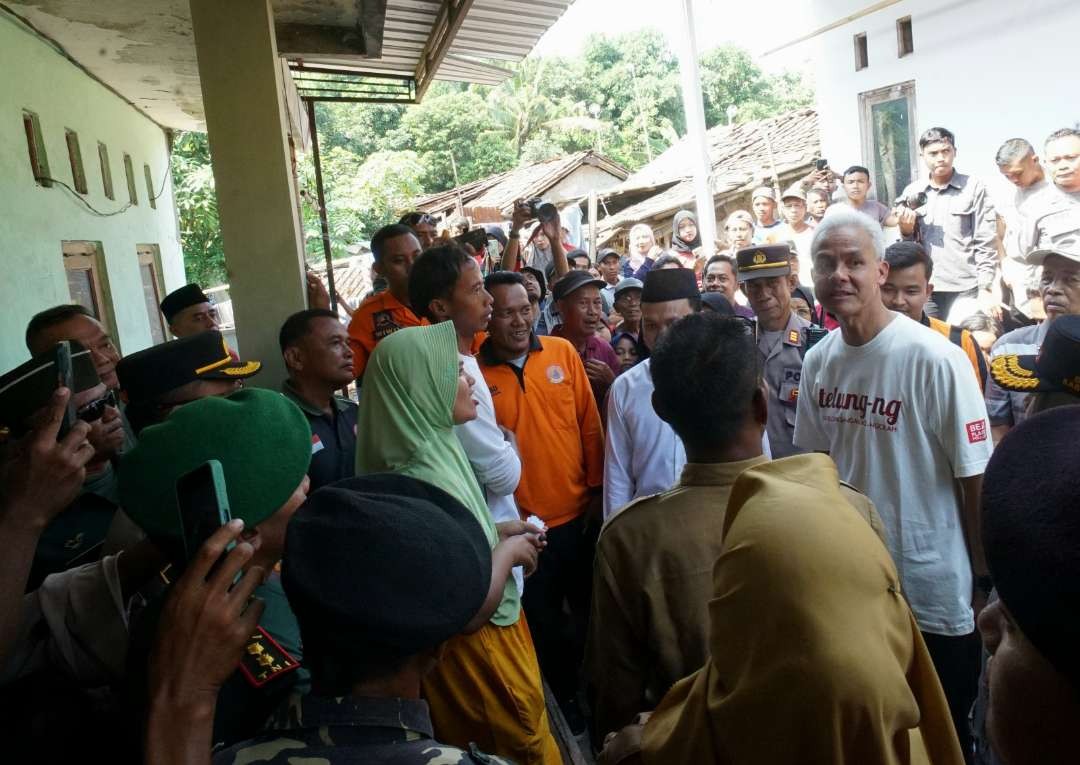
(93, 411)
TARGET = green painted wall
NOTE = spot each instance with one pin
(34, 221)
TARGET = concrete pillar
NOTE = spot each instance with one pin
(245, 120)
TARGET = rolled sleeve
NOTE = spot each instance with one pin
(984, 237)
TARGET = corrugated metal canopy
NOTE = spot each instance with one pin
(145, 49)
(492, 31)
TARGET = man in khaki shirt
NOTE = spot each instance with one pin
(652, 576)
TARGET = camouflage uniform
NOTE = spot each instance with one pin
(348, 731)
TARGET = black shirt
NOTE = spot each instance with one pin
(333, 439)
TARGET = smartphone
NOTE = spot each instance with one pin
(30, 386)
(821, 164)
(203, 504)
(476, 238)
(65, 378)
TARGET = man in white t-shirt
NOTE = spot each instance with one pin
(900, 413)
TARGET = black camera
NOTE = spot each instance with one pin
(541, 210)
(821, 164)
(475, 238)
(913, 201)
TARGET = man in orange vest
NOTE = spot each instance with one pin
(394, 248)
(907, 290)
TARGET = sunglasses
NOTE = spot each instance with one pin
(93, 411)
(416, 219)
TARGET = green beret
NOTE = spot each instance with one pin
(261, 439)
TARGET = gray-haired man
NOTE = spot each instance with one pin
(903, 418)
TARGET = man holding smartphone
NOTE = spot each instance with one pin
(263, 444)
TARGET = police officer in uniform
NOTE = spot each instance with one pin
(767, 281)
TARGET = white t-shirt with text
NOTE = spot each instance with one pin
(903, 418)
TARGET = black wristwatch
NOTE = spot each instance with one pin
(984, 583)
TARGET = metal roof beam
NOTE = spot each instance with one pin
(447, 24)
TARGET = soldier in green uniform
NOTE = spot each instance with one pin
(263, 443)
(373, 623)
(767, 281)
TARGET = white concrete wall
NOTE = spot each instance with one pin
(34, 220)
(988, 70)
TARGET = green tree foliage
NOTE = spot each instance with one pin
(197, 210)
(729, 77)
(620, 96)
(459, 125)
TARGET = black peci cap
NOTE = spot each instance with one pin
(185, 297)
(664, 284)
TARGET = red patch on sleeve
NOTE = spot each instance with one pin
(976, 431)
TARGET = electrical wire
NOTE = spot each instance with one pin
(94, 210)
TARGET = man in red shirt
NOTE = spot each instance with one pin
(394, 248)
(582, 310)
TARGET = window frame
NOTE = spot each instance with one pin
(35, 146)
(149, 178)
(862, 51)
(129, 173)
(905, 37)
(106, 171)
(86, 255)
(867, 101)
(78, 170)
(150, 255)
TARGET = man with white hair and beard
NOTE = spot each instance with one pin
(902, 416)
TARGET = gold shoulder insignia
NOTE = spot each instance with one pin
(793, 337)
(264, 660)
(1008, 373)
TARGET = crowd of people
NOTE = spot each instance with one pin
(796, 501)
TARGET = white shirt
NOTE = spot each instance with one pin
(494, 460)
(642, 454)
(903, 418)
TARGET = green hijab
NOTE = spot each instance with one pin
(406, 426)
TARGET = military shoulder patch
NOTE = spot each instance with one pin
(264, 660)
(793, 337)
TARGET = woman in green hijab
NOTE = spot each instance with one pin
(486, 687)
